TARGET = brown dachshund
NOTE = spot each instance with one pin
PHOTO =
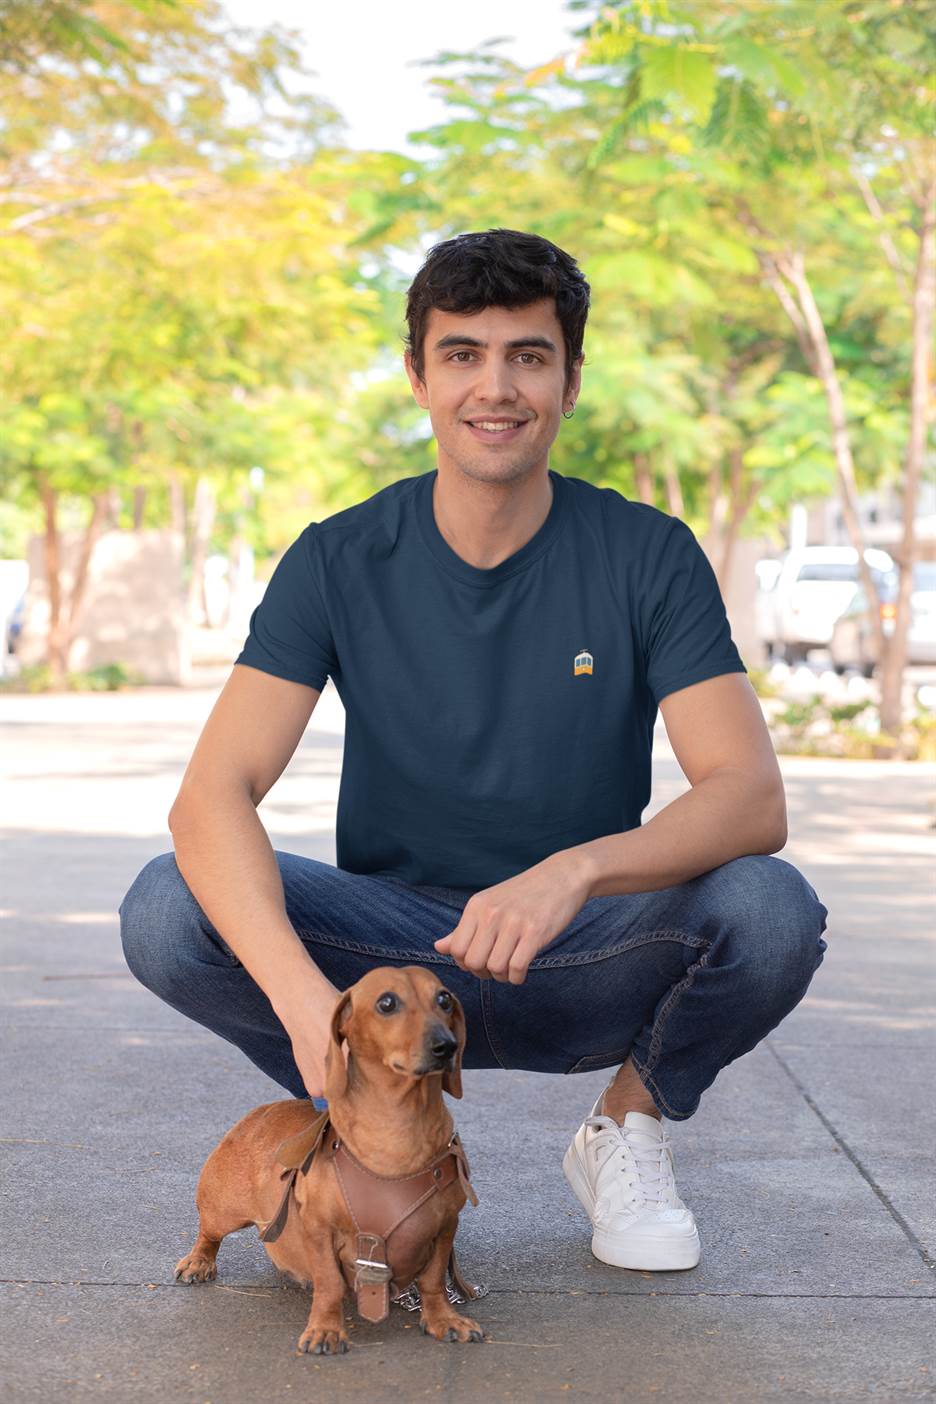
(366, 1195)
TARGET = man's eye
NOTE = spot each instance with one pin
(533, 358)
(387, 1003)
(459, 353)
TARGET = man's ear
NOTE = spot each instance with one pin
(336, 1070)
(417, 382)
(451, 1078)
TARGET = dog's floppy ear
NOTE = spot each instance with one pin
(336, 1070)
(451, 1078)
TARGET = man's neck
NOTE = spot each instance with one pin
(484, 523)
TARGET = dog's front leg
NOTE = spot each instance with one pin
(439, 1318)
(325, 1333)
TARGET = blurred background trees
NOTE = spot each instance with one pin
(748, 186)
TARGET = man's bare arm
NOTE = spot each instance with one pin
(736, 805)
(225, 855)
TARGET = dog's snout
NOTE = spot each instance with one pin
(442, 1042)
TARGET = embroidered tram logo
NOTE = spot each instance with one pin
(584, 662)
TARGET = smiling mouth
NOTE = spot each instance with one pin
(491, 430)
(495, 423)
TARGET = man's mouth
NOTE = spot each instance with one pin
(491, 429)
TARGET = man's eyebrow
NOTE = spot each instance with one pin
(542, 343)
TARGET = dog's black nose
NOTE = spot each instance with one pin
(442, 1043)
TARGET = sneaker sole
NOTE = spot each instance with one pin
(638, 1252)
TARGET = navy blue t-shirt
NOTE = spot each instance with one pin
(493, 717)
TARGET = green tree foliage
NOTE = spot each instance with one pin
(750, 188)
(176, 291)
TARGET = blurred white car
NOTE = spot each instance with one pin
(812, 588)
(853, 640)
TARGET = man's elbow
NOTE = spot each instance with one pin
(180, 810)
(776, 826)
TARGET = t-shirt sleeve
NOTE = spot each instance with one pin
(687, 637)
(290, 635)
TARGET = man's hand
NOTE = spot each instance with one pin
(307, 1020)
(503, 927)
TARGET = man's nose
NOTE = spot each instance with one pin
(495, 382)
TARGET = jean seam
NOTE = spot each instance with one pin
(609, 952)
(538, 963)
(653, 1086)
(490, 1027)
(613, 1055)
(646, 1070)
(430, 957)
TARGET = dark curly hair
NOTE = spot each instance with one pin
(497, 268)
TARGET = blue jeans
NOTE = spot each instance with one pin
(683, 980)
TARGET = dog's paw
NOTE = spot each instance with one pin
(323, 1340)
(195, 1268)
(451, 1327)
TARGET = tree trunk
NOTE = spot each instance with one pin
(924, 296)
(643, 479)
(794, 269)
(63, 613)
(139, 506)
(55, 641)
(814, 344)
(728, 510)
(674, 498)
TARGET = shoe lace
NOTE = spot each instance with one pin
(651, 1161)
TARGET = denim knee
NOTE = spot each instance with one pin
(779, 921)
(160, 925)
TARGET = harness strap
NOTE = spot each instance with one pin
(296, 1154)
(381, 1201)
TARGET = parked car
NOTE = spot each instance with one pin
(853, 643)
(812, 588)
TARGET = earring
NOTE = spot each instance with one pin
(570, 413)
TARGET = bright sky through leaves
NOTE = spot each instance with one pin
(363, 54)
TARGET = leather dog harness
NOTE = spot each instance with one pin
(386, 1211)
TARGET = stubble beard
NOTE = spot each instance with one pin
(492, 466)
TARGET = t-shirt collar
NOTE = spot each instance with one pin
(451, 562)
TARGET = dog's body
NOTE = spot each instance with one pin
(386, 1108)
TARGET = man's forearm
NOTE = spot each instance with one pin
(724, 816)
(225, 855)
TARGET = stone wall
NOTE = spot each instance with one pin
(133, 611)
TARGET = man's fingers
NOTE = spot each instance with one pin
(503, 953)
(457, 942)
(476, 955)
(520, 960)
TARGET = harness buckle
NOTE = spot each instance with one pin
(369, 1267)
(368, 1270)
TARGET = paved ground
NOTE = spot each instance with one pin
(809, 1164)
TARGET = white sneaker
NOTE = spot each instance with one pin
(623, 1178)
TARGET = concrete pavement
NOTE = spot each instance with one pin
(809, 1165)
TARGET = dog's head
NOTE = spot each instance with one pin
(403, 1019)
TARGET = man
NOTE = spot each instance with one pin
(501, 637)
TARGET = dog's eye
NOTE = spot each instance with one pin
(387, 1003)
(444, 999)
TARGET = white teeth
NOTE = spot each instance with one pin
(495, 428)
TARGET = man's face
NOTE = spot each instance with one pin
(497, 367)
